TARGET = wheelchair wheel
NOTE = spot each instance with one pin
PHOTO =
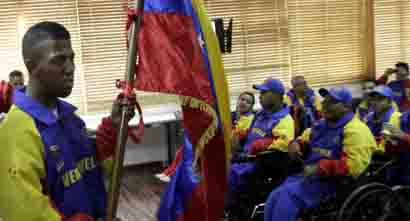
(366, 203)
(399, 205)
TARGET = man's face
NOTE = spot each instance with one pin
(402, 72)
(54, 67)
(332, 109)
(379, 103)
(17, 81)
(299, 87)
(269, 99)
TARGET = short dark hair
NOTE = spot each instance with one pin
(402, 64)
(40, 32)
(15, 73)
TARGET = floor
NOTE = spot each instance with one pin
(140, 193)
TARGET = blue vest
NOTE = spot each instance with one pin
(405, 127)
(398, 90)
(74, 179)
(405, 122)
(326, 141)
(377, 126)
(263, 124)
(309, 104)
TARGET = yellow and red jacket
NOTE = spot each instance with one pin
(343, 149)
(270, 131)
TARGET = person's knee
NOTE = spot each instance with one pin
(277, 194)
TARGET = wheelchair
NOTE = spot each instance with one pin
(399, 205)
(365, 198)
(357, 199)
(271, 169)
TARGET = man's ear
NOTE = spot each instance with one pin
(29, 65)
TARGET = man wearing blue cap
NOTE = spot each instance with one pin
(338, 145)
(381, 100)
(392, 131)
(272, 128)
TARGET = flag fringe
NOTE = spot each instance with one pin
(210, 132)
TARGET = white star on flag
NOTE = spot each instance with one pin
(201, 41)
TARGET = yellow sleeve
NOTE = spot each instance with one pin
(107, 166)
(395, 121)
(318, 104)
(284, 133)
(22, 168)
(306, 135)
(395, 106)
(358, 146)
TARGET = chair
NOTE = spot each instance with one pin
(271, 169)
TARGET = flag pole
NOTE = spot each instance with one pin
(125, 105)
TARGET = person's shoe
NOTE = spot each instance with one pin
(165, 179)
(160, 175)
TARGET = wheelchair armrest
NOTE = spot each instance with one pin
(346, 181)
(267, 152)
(271, 154)
(242, 157)
(342, 182)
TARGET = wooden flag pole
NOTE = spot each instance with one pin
(125, 105)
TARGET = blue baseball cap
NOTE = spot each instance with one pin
(383, 91)
(340, 94)
(271, 84)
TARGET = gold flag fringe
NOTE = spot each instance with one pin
(209, 132)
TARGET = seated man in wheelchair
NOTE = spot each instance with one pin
(272, 128)
(381, 101)
(391, 130)
(304, 104)
(340, 145)
(397, 143)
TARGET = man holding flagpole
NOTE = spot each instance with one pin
(51, 170)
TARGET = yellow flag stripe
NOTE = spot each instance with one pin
(218, 75)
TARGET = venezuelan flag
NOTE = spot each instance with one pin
(179, 54)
